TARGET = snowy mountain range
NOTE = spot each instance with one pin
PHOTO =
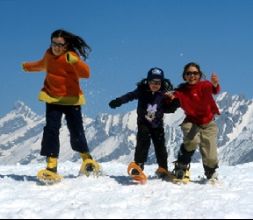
(113, 137)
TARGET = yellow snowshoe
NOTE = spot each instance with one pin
(90, 167)
(181, 173)
(48, 177)
(185, 179)
(136, 173)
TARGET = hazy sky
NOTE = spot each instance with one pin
(128, 37)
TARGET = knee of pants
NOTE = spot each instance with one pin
(190, 145)
(210, 162)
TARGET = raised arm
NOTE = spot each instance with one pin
(216, 84)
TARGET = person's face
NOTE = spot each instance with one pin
(192, 75)
(58, 46)
(155, 85)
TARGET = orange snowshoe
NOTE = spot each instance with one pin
(136, 173)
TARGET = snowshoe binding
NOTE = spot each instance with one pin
(90, 167)
(181, 173)
(136, 173)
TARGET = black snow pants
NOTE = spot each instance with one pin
(50, 140)
(144, 136)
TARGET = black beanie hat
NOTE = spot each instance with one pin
(155, 73)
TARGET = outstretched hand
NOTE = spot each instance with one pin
(215, 79)
(115, 103)
(170, 95)
(23, 67)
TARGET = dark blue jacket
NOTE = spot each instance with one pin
(151, 105)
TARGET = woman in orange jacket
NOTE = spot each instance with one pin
(62, 94)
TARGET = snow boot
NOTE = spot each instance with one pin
(163, 173)
(89, 166)
(211, 174)
(49, 175)
(181, 173)
(52, 163)
(135, 171)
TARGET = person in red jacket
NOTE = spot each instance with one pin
(199, 128)
(64, 65)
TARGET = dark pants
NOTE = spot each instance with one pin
(51, 142)
(144, 137)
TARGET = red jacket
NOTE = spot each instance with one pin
(197, 101)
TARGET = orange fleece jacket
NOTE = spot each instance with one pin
(62, 79)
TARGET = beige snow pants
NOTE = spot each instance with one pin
(204, 136)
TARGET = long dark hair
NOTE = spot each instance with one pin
(74, 42)
(187, 66)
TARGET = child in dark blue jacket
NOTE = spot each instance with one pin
(152, 104)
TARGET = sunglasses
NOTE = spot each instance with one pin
(55, 44)
(194, 73)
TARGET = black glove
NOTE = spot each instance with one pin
(115, 103)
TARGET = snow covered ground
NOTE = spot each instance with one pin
(114, 196)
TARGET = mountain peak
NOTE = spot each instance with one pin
(22, 109)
